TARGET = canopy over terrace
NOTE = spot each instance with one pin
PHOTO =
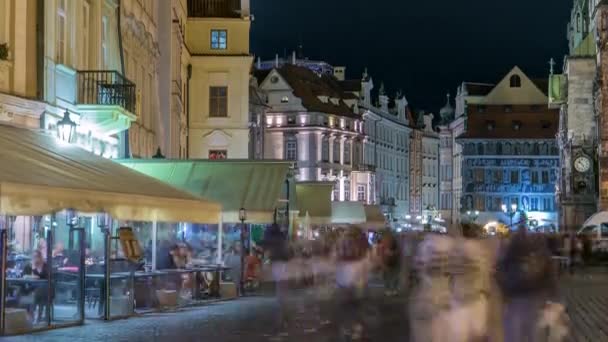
(257, 186)
(40, 175)
(356, 213)
(314, 199)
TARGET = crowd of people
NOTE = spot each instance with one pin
(459, 288)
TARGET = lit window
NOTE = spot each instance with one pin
(104, 41)
(325, 149)
(285, 99)
(218, 154)
(291, 148)
(61, 31)
(346, 190)
(336, 151)
(218, 102)
(346, 152)
(336, 192)
(515, 81)
(219, 39)
(84, 61)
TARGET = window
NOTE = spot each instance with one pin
(514, 177)
(515, 81)
(534, 204)
(62, 8)
(534, 177)
(84, 54)
(479, 175)
(336, 151)
(219, 39)
(361, 193)
(545, 177)
(336, 191)
(479, 203)
(218, 102)
(547, 204)
(285, 99)
(325, 149)
(291, 148)
(347, 152)
(346, 190)
(104, 42)
(498, 176)
(218, 154)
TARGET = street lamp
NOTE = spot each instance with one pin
(66, 128)
(473, 215)
(510, 211)
(242, 218)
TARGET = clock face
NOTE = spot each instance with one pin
(582, 164)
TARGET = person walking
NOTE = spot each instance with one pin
(390, 259)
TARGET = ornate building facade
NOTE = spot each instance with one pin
(510, 155)
(314, 122)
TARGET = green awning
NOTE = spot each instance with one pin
(314, 198)
(256, 186)
(347, 213)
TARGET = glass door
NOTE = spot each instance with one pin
(67, 269)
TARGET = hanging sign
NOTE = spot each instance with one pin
(130, 244)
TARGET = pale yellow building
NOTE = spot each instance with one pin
(71, 55)
(217, 37)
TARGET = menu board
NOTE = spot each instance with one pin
(130, 244)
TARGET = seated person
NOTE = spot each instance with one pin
(38, 269)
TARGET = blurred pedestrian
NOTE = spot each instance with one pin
(390, 259)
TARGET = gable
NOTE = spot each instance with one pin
(528, 93)
(274, 81)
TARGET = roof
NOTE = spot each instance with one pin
(542, 84)
(40, 175)
(308, 86)
(534, 122)
(351, 85)
(478, 89)
(253, 185)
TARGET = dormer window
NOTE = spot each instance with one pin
(323, 98)
(515, 81)
(516, 125)
(291, 120)
(285, 99)
(335, 101)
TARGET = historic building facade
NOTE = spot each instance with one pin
(430, 169)
(572, 93)
(94, 60)
(217, 37)
(510, 155)
(311, 120)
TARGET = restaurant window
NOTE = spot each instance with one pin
(291, 148)
(218, 102)
(219, 39)
(514, 177)
(217, 154)
(361, 193)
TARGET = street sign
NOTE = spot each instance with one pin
(130, 244)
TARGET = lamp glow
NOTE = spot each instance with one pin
(66, 128)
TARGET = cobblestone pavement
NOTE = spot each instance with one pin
(586, 299)
(252, 319)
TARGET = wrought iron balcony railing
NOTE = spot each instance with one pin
(106, 88)
(214, 8)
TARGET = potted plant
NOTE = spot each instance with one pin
(4, 51)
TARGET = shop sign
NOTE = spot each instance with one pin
(130, 244)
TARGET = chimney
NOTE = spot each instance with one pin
(340, 73)
(245, 8)
(293, 58)
(276, 61)
(259, 63)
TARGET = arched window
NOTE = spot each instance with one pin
(578, 22)
(515, 81)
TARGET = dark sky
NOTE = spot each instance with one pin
(425, 47)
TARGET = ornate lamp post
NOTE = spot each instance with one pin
(473, 215)
(66, 128)
(510, 211)
(242, 218)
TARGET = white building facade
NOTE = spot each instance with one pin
(430, 168)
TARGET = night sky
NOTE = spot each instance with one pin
(426, 48)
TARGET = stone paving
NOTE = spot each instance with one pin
(586, 299)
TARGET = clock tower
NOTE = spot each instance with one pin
(573, 93)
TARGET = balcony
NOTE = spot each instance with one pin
(214, 8)
(364, 168)
(106, 88)
(105, 100)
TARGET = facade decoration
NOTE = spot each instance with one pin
(510, 155)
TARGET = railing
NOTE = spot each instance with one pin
(106, 88)
(365, 168)
(214, 8)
